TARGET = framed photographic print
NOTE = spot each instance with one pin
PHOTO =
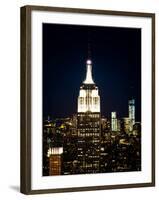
(87, 99)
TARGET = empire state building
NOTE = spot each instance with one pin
(89, 99)
(88, 125)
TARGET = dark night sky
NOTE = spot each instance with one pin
(116, 57)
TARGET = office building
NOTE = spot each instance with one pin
(114, 124)
(55, 160)
(88, 125)
(131, 108)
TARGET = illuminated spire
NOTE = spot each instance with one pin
(89, 79)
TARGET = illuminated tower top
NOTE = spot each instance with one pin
(89, 79)
(88, 99)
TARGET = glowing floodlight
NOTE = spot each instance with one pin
(89, 62)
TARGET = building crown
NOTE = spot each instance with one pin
(89, 79)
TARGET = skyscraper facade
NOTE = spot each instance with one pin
(55, 163)
(114, 125)
(88, 125)
(131, 113)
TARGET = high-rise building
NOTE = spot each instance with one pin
(89, 99)
(125, 124)
(114, 123)
(88, 125)
(55, 162)
(131, 108)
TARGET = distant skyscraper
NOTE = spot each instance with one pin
(114, 123)
(88, 125)
(55, 162)
(131, 113)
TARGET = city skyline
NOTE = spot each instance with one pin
(77, 138)
(61, 79)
